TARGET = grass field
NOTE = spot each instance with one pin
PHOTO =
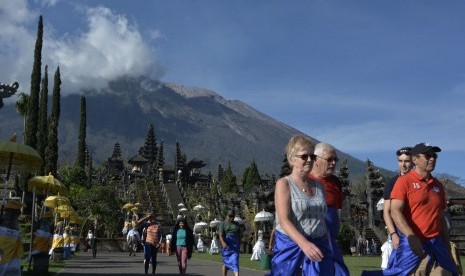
(355, 264)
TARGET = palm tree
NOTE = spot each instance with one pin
(21, 108)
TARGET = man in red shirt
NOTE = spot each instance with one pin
(323, 172)
(417, 207)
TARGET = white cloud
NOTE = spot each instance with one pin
(50, 3)
(16, 51)
(111, 47)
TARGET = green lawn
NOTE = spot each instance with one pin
(355, 264)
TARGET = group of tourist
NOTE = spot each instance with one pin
(308, 202)
(180, 242)
(363, 246)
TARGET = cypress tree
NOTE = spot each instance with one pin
(51, 156)
(88, 161)
(43, 123)
(228, 184)
(251, 177)
(285, 168)
(81, 154)
(51, 152)
(32, 118)
(55, 112)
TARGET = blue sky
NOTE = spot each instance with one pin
(366, 76)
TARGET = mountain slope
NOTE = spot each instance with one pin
(207, 126)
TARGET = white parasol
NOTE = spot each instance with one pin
(201, 225)
(264, 216)
(198, 207)
(182, 210)
(215, 223)
(238, 219)
(380, 205)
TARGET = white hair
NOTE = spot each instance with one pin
(320, 148)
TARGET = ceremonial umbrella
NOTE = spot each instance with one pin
(128, 206)
(47, 183)
(75, 219)
(55, 201)
(64, 211)
(198, 207)
(238, 219)
(18, 156)
(182, 210)
(181, 205)
(215, 223)
(264, 216)
(199, 226)
(380, 204)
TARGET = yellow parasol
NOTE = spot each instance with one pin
(128, 206)
(135, 209)
(55, 201)
(64, 210)
(76, 219)
(47, 183)
(16, 156)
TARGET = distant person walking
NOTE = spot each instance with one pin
(182, 243)
(152, 238)
(133, 240)
(229, 233)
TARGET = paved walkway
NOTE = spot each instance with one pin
(119, 263)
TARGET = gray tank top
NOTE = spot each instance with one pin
(307, 213)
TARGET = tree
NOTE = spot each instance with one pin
(228, 184)
(51, 151)
(251, 177)
(33, 104)
(285, 168)
(81, 154)
(21, 108)
(343, 175)
(43, 120)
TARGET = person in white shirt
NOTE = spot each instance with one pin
(133, 239)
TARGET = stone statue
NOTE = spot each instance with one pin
(7, 91)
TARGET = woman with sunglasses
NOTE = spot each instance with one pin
(301, 245)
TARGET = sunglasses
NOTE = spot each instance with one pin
(329, 160)
(306, 156)
(404, 151)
